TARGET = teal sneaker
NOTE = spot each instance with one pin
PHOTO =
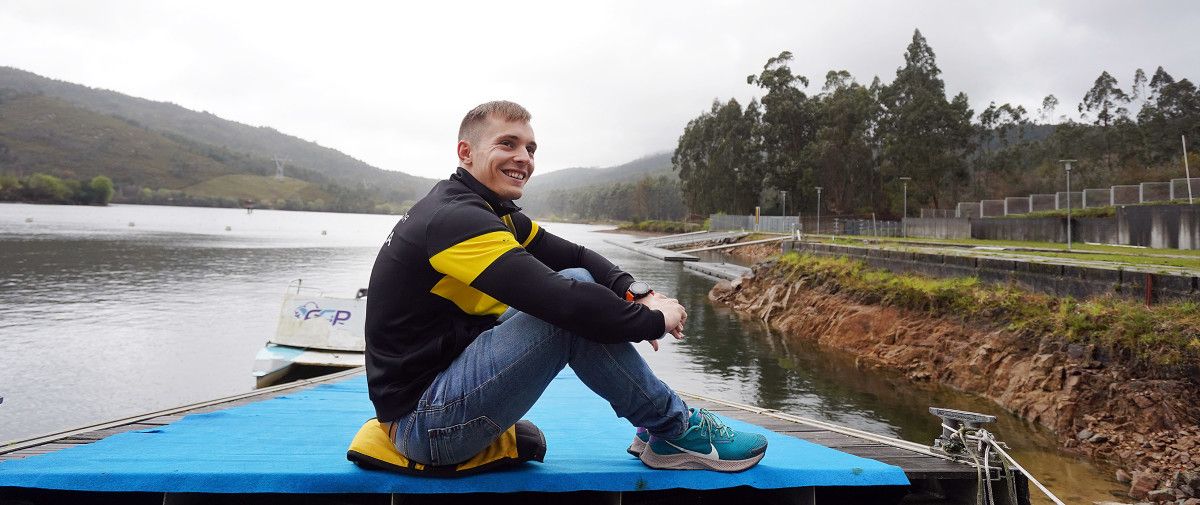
(640, 439)
(707, 444)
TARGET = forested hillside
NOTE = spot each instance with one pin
(859, 142)
(645, 188)
(71, 131)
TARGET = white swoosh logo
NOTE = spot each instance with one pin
(712, 452)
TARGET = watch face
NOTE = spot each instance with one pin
(639, 289)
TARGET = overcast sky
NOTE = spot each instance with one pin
(607, 82)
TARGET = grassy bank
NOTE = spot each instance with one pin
(663, 226)
(1139, 256)
(1164, 339)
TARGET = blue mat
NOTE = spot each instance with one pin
(297, 444)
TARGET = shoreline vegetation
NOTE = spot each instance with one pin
(1163, 341)
(1111, 378)
(48, 189)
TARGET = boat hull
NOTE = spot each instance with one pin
(278, 363)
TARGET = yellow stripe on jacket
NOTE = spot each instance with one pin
(462, 263)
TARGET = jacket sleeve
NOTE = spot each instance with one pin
(476, 248)
(558, 254)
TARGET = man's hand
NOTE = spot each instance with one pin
(673, 314)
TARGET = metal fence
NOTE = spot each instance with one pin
(835, 225)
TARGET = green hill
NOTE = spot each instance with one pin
(41, 134)
(47, 135)
(259, 188)
(645, 188)
(206, 135)
(653, 165)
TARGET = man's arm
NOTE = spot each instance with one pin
(474, 247)
(559, 253)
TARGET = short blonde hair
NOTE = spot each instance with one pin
(472, 123)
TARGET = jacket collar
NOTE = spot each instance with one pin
(502, 207)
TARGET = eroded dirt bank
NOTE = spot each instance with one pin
(1146, 427)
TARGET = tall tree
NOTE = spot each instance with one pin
(1046, 113)
(924, 135)
(842, 151)
(1105, 101)
(788, 124)
(719, 159)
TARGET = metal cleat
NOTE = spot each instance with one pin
(952, 421)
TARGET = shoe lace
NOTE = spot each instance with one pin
(710, 424)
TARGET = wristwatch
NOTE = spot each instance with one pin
(637, 291)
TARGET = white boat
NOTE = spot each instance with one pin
(317, 334)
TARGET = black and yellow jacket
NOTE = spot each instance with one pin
(453, 264)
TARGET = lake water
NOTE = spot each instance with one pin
(107, 312)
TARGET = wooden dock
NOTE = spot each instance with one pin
(726, 271)
(935, 478)
(654, 252)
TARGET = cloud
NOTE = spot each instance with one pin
(607, 82)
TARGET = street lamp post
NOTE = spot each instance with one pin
(903, 225)
(783, 194)
(818, 209)
(1067, 165)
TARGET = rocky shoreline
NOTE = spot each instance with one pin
(1146, 427)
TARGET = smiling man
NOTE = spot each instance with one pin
(474, 309)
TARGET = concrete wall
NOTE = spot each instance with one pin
(968, 209)
(1061, 200)
(1099, 230)
(1097, 198)
(991, 208)
(1061, 280)
(1126, 195)
(1041, 229)
(1016, 205)
(938, 227)
(1155, 191)
(1160, 226)
(1038, 203)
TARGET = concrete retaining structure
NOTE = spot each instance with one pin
(1039, 229)
(938, 227)
(1160, 226)
(1154, 191)
(1156, 226)
(1038, 203)
(991, 208)
(1098, 230)
(968, 209)
(1076, 200)
(1126, 195)
(1016, 205)
(1097, 198)
(1060, 280)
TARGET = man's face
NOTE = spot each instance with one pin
(502, 157)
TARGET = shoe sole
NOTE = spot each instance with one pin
(690, 462)
(636, 448)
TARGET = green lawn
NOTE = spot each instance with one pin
(1177, 258)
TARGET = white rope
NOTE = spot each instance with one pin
(986, 441)
(1026, 472)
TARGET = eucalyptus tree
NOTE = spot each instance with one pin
(719, 159)
(924, 135)
(1172, 109)
(788, 125)
(841, 152)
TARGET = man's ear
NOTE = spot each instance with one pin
(464, 153)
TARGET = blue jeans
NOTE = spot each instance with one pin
(497, 379)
